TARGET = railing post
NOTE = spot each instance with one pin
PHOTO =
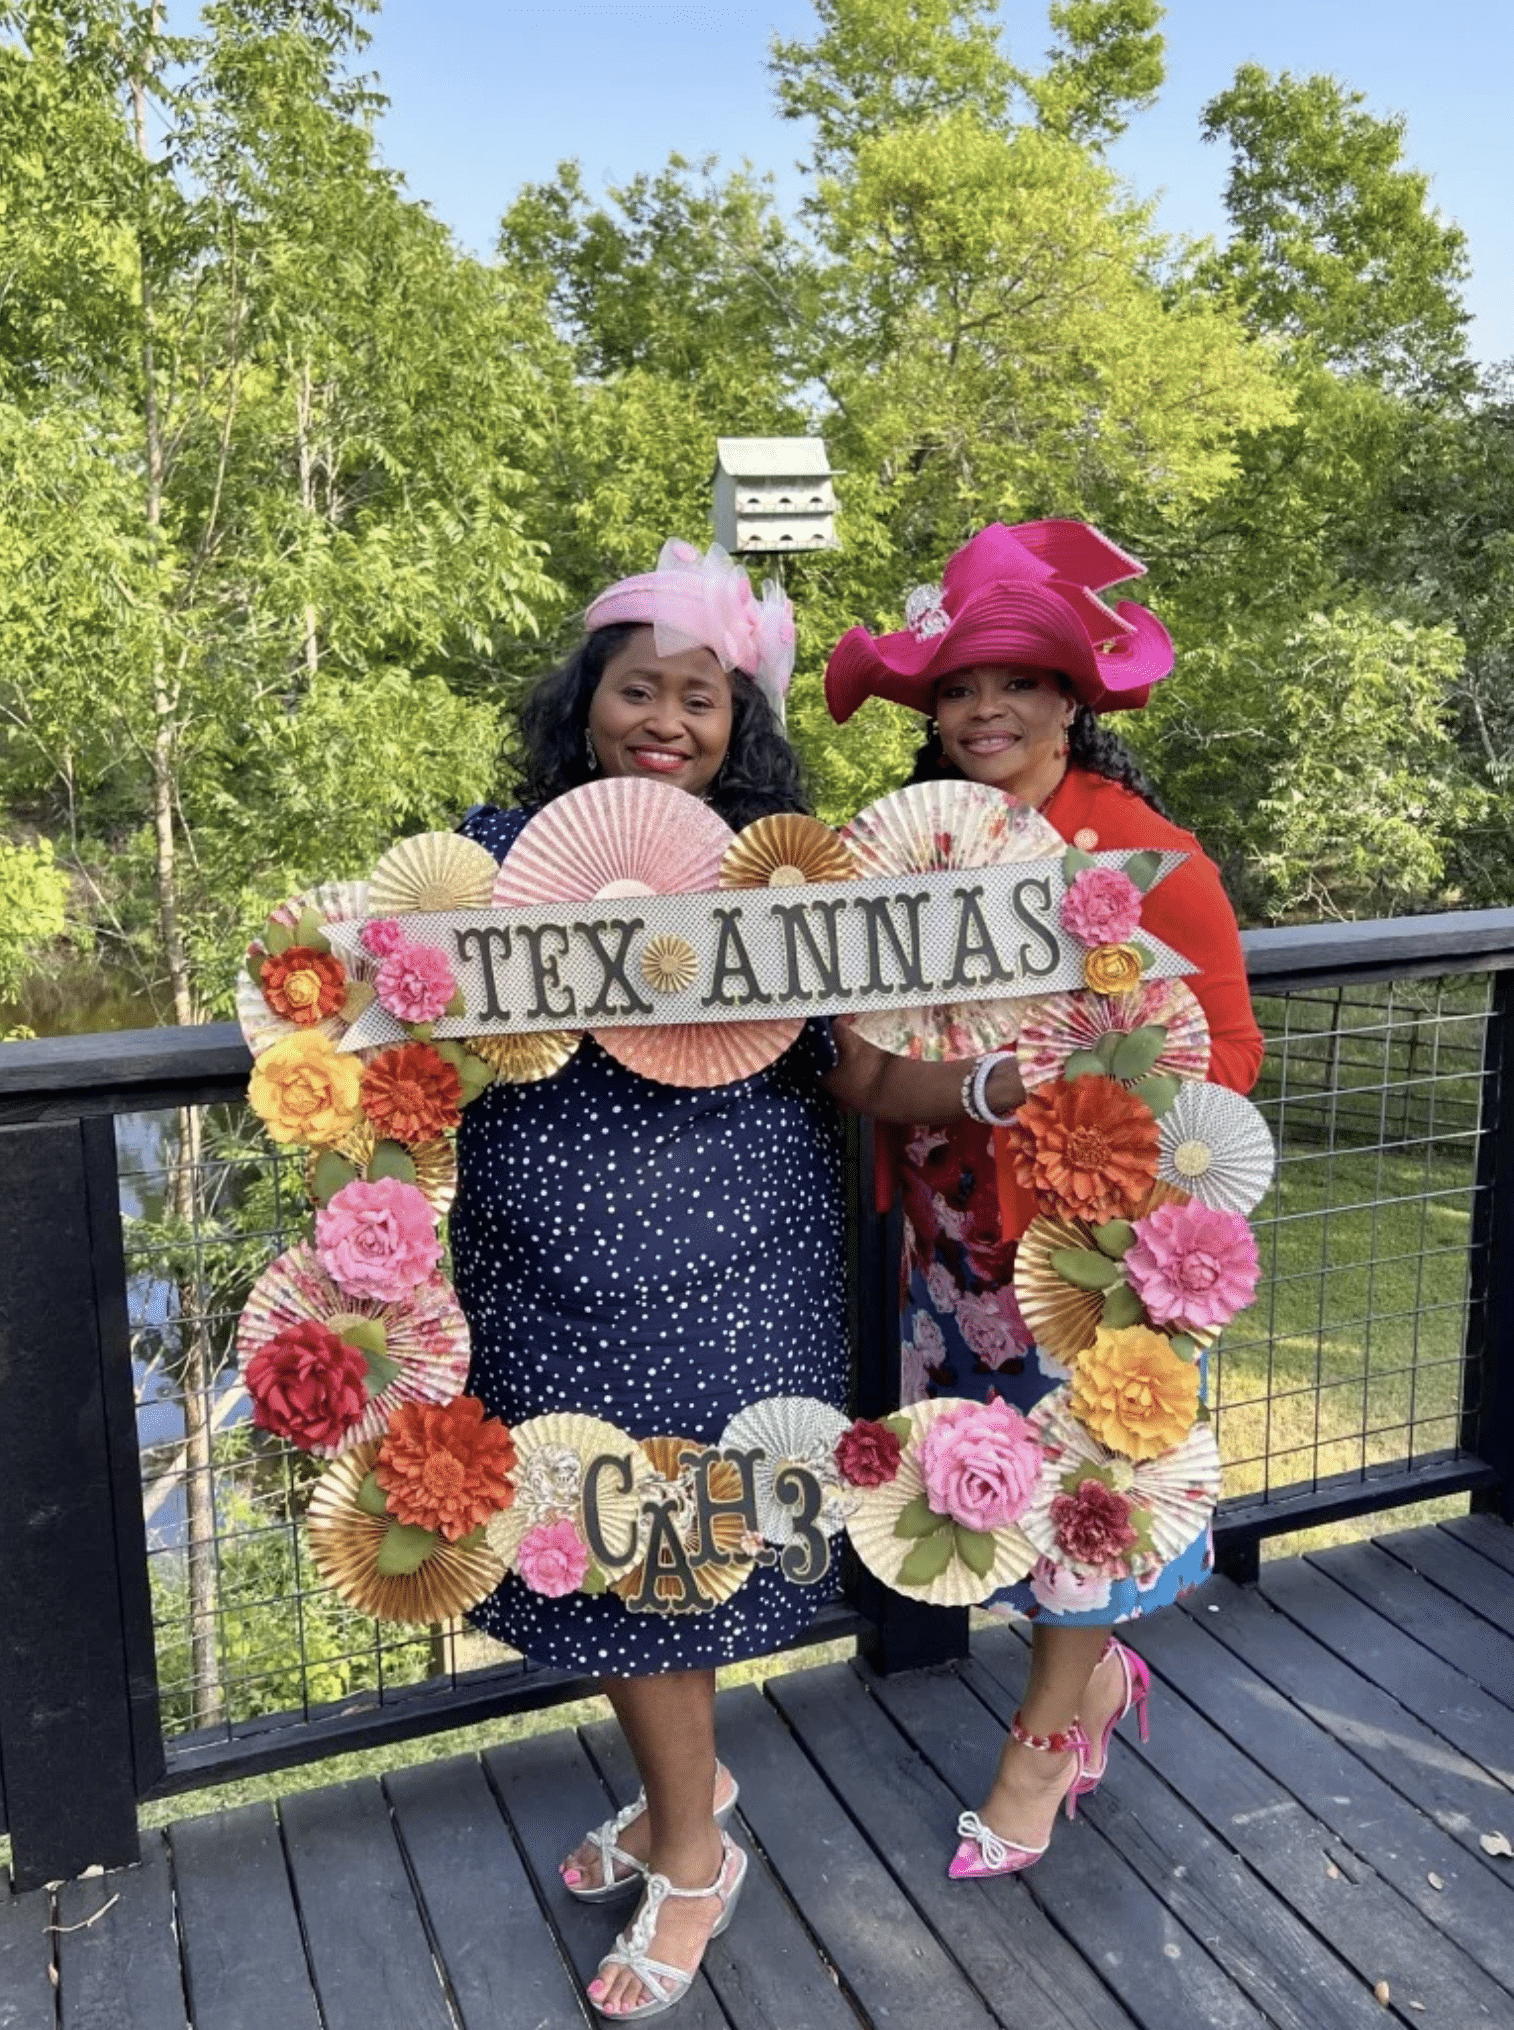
(905, 1634)
(1487, 1420)
(79, 1737)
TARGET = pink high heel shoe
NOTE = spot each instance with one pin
(982, 1851)
(1137, 1691)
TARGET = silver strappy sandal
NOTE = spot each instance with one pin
(664, 1984)
(612, 1856)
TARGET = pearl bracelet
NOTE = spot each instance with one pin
(975, 1090)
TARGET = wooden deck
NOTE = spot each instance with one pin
(1326, 1753)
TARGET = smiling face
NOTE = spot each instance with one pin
(663, 716)
(1006, 726)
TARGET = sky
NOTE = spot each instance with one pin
(489, 94)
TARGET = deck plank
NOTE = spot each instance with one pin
(26, 1959)
(1457, 1569)
(118, 1958)
(892, 1964)
(1457, 1793)
(1236, 1912)
(1460, 1711)
(552, 1797)
(368, 1947)
(503, 1969)
(1422, 1610)
(765, 1969)
(1028, 1973)
(244, 1958)
(1375, 1824)
(1486, 1535)
(1161, 1973)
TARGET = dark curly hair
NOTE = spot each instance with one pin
(760, 773)
(1089, 745)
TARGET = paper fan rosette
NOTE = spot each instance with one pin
(346, 1537)
(928, 827)
(1067, 1285)
(890, 1524)
(675, 1463)
(624, 836)
(785, 850)
(430, 1166)
(527, 1055)
(430, 873)
(552, 1457)
(292, 981)
(792, 1431)
(1102, 1516)
(1215, 1145)
(1083, 1025)
(424, 1355)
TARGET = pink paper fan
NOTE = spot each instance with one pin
(620, 835)
(699, 1053)
(1053, 1028)
(425, 1332)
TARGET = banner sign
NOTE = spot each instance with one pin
(753, 954)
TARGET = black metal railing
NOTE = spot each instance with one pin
(1375, 1370)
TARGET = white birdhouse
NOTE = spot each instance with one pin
(774, 496)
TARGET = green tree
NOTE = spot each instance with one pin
(33, 902)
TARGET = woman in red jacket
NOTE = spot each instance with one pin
(1013, 660)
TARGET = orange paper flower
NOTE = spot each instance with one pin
(446, 1468)
(1134, 1393)
(1088, 1149)
(1113, 969)
(306, 1091)
(412, 1094)
(302, 985)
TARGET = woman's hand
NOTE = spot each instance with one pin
(888, 1088)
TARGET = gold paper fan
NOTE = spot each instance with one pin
(528, 1056)
(668, 964)
(786, 851)
(551, 1456)
(871, 1530)
(673, 1460)
(431, 872)
(1062, 1317)
(344, 1546)
(435, 1165)
(619, 835)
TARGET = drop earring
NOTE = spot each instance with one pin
(591, 759)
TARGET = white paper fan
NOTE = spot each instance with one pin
(333, 902)
(1214, 1145)
(1177, 1491)
(797, 1431)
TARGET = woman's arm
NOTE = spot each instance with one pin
(875, 1082)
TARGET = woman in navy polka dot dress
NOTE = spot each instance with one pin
(656, 1256)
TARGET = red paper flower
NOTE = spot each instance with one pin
(867, 1454)
(412, 1094)
(1088, 1150)
(1093, 1523)
(302, 985)
(446, 1468)
(307, 1385)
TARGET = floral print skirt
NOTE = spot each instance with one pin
(961, 1334)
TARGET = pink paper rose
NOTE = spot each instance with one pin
(377, 1240)
(381, 937)
(980, 1462)
(1102, 906)
(1093, 1525)
(415, 983)
(1193, 1266)
(553, 1559)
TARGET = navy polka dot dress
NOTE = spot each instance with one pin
(659, 1257)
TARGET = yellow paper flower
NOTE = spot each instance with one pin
(304, 1090)
(1113, 969)
(1134, 1393)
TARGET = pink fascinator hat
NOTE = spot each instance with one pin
(1027, 595)
(695, 600)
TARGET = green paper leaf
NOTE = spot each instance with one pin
(255, 964)
(594, 1581)
(1140, 1522)
(474, 1540)
(308, 931)
(1158, 1092)
(332, 1173)
(405, 1548)
(360, 996)
(1107, 1046)
(928, 1560)
(382, 1369)
(475, 1073)
(1137, 1053)
(1203, 1416)
(418, 1032)
(1144, 953)
(1075, 862)
(277, 937)
(901, 1427)
(1122, 1307)
(976, 1550)
(391, 1159)
(1143, 869)
(457, 1005)
(371, 1498)
(367, 1335)
(1084, 1269)
(450, 1049)
(1116, 1237)
(1184, 1347)
(918, 1519)
(1084, 1064)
